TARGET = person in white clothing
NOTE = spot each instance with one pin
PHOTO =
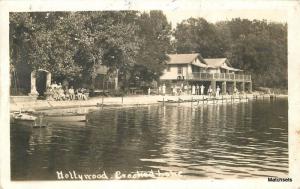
(218, 91)
(202, 90)
(174, 90)
(72, 93)
(185, 88)
(193, 89)
(159, 90)
(164, 89)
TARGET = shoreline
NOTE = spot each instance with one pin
(39, 105)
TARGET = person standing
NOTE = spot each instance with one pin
(218, 91)
(197, 89)
(149, 91)
(72, 93)
(202, 89)
(209, 91)
(174, 90)
(164, 89)
(193, 90)
(235, 91)
(185, 89)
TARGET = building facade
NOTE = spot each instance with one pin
(193, 69)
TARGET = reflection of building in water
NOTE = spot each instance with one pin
(224, 115)
(210, 113)
(234, 113)
(217, 112)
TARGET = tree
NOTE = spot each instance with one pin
(71, 45)
(114, 42)
(197, 35)
(257, 47)
(155, 33)
(41, 40)
(260, 48)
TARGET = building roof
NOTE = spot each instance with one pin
(219, 63)
(215, 62)
(204, 63)
(199, 64)
(230, 68)
(183, 58)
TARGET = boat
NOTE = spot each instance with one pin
(27, 120)
(24, 117)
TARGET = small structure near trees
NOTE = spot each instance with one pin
(33, 80)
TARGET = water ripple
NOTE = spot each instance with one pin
(246, 140)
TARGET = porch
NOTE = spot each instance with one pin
(226, 81)
(200, 76)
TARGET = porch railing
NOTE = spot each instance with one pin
(219, 76)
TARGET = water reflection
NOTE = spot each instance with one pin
(209, 141)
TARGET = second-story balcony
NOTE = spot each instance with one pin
(219, 76)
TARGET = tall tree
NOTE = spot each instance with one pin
(197, 35)
(257, 47)
(155, 33)
(260, 47)
(71, 45)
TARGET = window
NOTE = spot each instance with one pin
(179, 71)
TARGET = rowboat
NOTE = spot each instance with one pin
(18, 116)
(26, 119)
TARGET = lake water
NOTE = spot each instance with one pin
(242, 140)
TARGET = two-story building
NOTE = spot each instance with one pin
(193, 69)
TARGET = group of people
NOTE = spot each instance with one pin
(162, 89)
(198, 90)
(190, 89)
(58, 92)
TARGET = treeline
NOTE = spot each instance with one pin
(257, 47)
(72, 44)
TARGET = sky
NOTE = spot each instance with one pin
(222, 15)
